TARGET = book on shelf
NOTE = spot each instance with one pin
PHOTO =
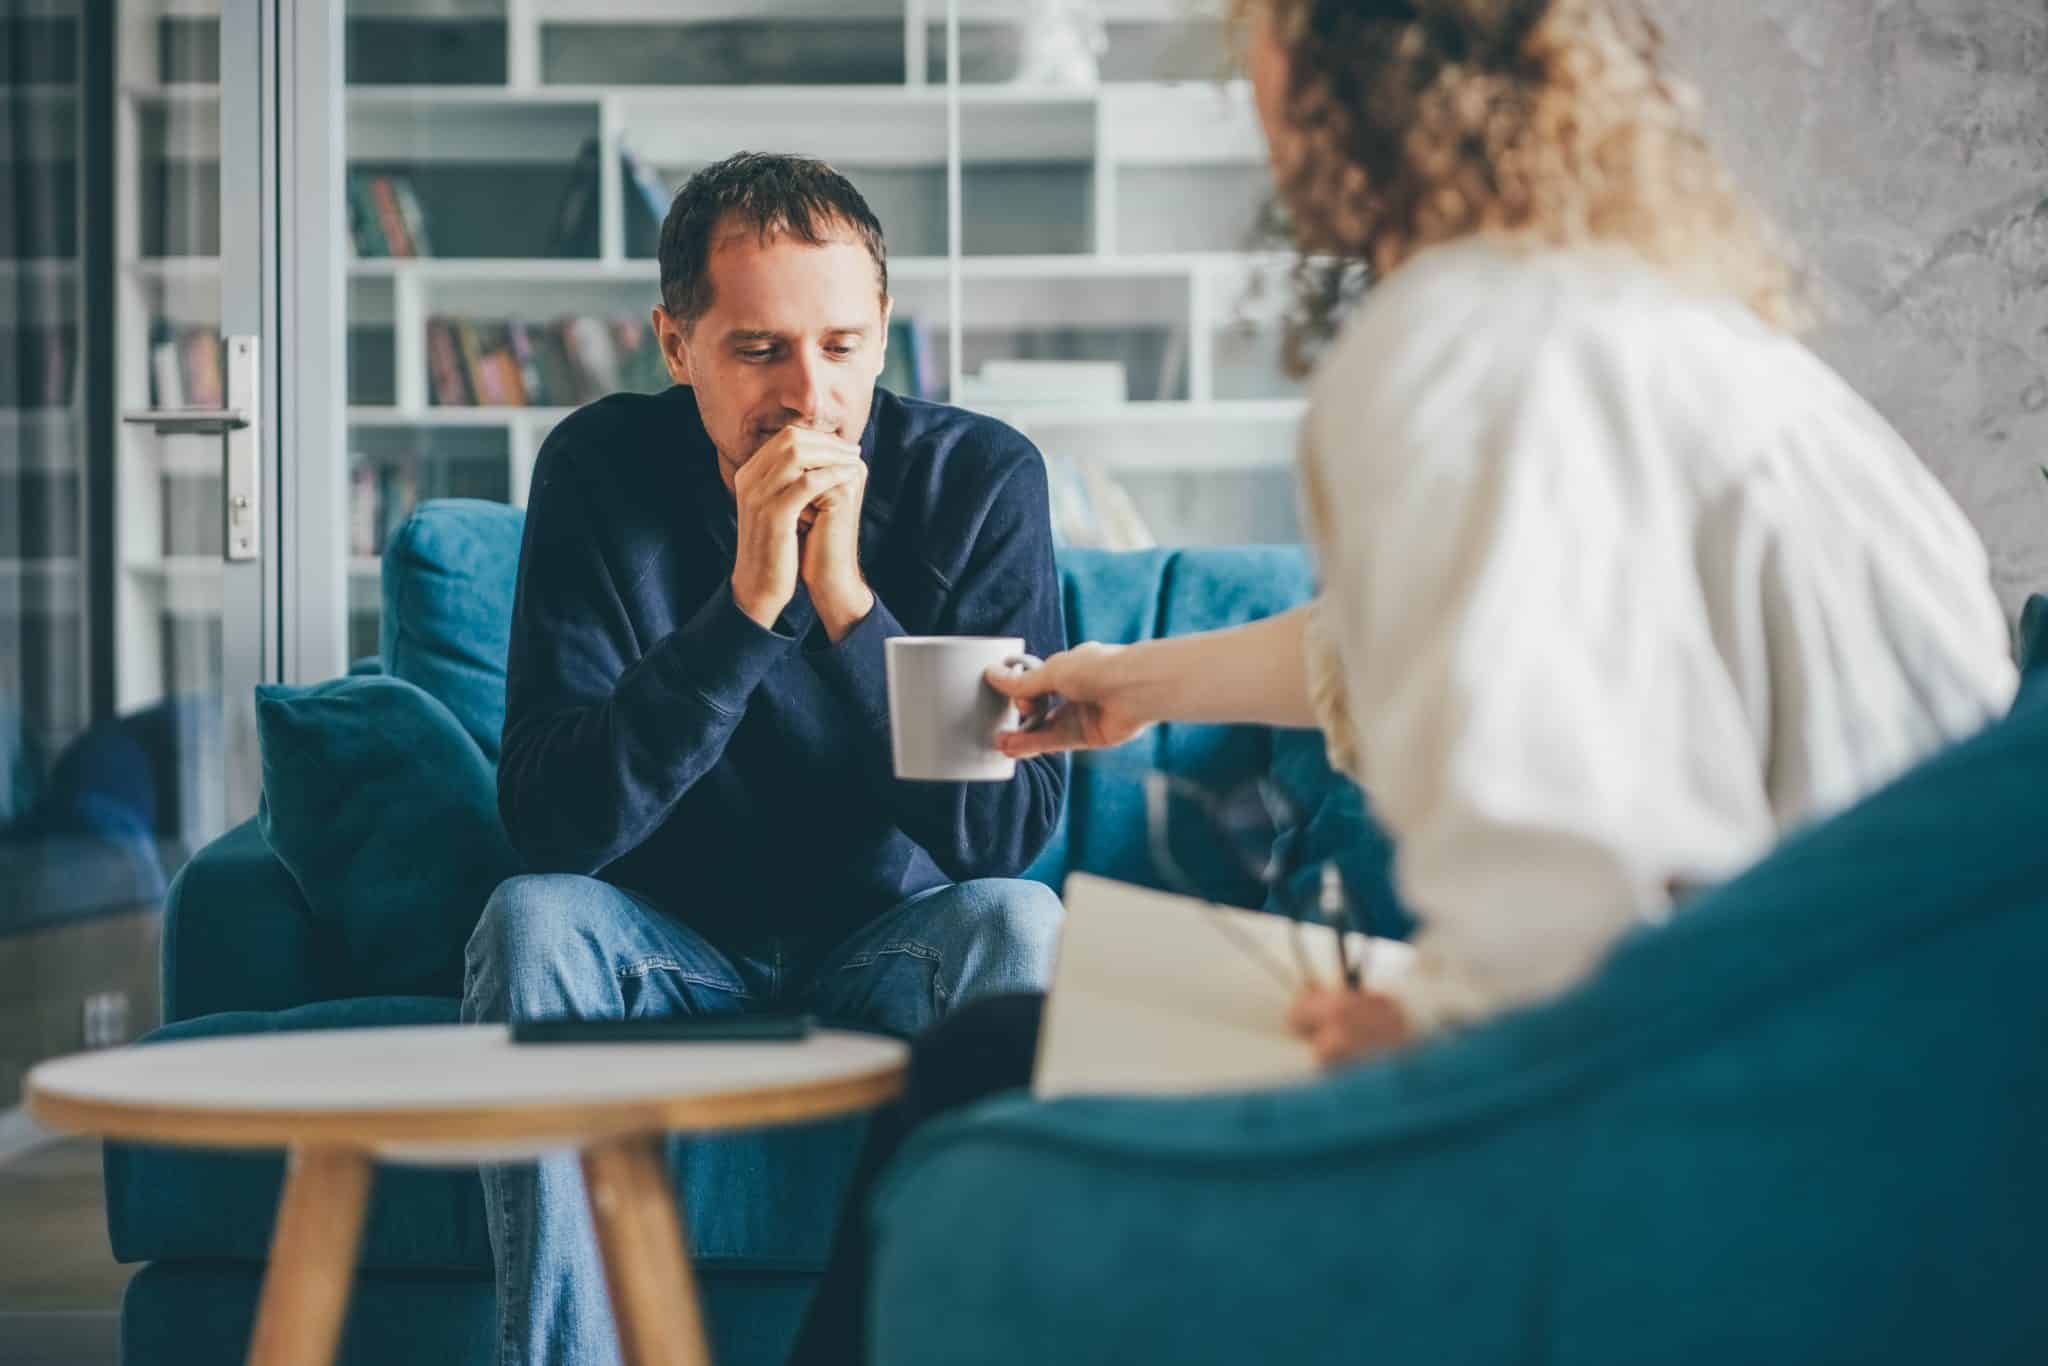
(413, 216)
(385, 217)
(184, 367)
(590, 348)
(642, 370)
(647, 199)
(384, 490)
(46, 365)
(398, 492)
(578, 215)
(910, 367)
(444, 365)
(559, 364)
(365, 527)
(381, 494)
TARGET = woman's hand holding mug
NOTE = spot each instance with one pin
(1077, 699)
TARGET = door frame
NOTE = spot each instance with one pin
(283, 279)
(312, 580)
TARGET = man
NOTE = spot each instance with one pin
(696, 763)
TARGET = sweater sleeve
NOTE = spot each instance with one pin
(1008, 587)
(1326, 691)
(602, 738)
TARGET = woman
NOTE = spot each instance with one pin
(1619, 581)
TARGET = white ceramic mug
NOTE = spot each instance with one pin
(943, 715)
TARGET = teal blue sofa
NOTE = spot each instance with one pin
(1807, 1121)
(243, 954)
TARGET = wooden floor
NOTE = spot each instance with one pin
(60, 1288)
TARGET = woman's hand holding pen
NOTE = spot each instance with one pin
(1347, 1024)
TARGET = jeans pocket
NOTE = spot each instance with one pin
(663, 986)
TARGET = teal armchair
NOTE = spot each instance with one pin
(1804, 1122)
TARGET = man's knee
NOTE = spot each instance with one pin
(528, 935)
(1012, 909)
(526, 913)
(1010, 927)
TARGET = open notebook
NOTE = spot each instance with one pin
(1156, 993)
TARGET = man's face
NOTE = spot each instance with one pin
(794, 336)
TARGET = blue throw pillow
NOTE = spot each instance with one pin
(449, 573)
(1337, 826)
(386, 814)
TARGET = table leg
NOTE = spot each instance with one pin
(312, 1258)
(640, 1233)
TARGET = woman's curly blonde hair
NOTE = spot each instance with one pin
(1554, 122)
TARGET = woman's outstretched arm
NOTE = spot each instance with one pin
(1254, 674)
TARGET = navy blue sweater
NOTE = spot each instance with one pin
(659, 738)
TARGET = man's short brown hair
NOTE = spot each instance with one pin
(769, 194)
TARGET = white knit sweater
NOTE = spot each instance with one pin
(1618, 584)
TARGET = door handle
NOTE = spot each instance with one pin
(189, 421)
(235, 422)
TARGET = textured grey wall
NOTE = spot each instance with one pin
(1902, 145)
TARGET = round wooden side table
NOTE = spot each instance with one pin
(459, 1095)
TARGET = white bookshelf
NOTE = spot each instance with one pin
(1125, 141)
(1118, 214)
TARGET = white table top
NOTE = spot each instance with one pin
(452, 1093)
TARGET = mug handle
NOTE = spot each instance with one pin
(1024, 663)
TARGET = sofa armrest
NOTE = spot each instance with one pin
(1748, 1136)
(237, 934)
(1045, 1232)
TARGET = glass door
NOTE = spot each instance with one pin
(137, 444)
(194, 300)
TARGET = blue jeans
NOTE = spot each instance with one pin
(565, 945)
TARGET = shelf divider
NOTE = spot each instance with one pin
(916, 44)
(1201, 335)
(522, 45)
(1104, 184)
(409, 340)
(611, 204)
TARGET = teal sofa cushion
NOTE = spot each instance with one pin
(1194, 591)
(1802, 1122)
(238, 936)
(386, 815)
(449, 569)
(1128, 596)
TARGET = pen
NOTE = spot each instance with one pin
(1336, 913)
